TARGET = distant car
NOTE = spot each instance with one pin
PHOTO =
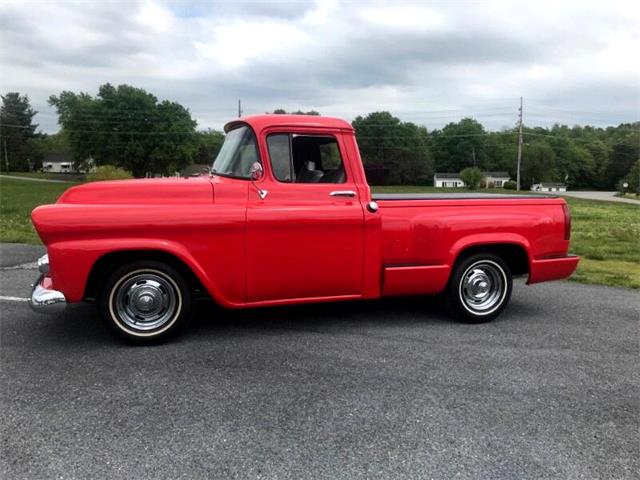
(287, 217)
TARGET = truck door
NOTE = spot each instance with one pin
(305, 237)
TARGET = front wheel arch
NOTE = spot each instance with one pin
(109, 262)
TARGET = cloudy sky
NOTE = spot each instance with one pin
(427, 62)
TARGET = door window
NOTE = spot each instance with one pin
(306, 158)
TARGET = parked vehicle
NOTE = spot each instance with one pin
(286, 216)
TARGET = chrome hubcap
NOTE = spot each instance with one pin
(146, 301)
(483, 287)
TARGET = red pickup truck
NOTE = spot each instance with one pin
(286, 217)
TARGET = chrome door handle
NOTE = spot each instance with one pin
(343, 193)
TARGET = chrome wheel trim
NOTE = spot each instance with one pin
(483, 287)
(145, 302)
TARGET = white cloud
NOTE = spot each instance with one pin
(403, 17)
(155, 17)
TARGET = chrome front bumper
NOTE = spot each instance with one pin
(43, 298)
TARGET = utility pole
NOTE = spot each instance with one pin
(519, 145)
(239, 108)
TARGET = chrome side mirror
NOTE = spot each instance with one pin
(256, 172)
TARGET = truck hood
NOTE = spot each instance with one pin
(151, 191)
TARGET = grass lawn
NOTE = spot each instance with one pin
(17, 199)
(607, 237)
(605, 234)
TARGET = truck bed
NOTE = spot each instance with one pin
(454, 196)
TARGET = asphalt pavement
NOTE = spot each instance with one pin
(598, 195)
(35, 179)
(385, 389)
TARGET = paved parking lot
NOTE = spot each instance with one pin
(359, 390)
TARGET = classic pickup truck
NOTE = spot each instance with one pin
(286, 216)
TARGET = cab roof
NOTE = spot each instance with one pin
(260, 122)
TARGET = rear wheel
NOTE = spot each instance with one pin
(145, 302)
(479, 289)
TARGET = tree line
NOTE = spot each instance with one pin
(130, 128)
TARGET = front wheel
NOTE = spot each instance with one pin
(145, 302)
(479, 289)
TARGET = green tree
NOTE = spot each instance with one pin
(601, 154)
(624, 152)
(393, 151)
(501, 150)
(16, 130)
(209, 144)
(471, 176)
(574, 163)
(538, 163)
(632, 180)
(459, 145)
(129, 128)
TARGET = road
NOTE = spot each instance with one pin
(387, 389)
(604, 196)
(33, 179)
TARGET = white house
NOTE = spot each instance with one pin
(62, 162)
(57, 162)
(497, 179)
(548, 187)
(447, 180)
(453, 180)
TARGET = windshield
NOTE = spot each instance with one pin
(238, 152)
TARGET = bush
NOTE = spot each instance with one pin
(510, 185)
(471, 177)
(108, 172)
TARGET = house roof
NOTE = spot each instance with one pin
(452, 176)
(551, 184)
(57, 157)
(497, 174)
(447, 176)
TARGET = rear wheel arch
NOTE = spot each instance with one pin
(514, 254)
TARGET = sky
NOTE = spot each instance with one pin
(427, 62)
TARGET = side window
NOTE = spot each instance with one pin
(306, 158)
